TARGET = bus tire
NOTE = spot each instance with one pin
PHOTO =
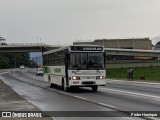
(65, 88)
(95, 88)
(55, 86)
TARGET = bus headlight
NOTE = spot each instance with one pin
(75, 78)
(100, 77)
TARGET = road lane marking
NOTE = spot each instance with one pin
(1, 73)
(110, 106)
(80, 97)
(133, 93)
(63, 93)
(32, 76)
(68, 94)
(150, 83)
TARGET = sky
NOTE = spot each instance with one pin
(60, 22)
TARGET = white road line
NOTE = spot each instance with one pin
(132, 93)
(102, 89)
(110, 106)
(32, 76)
(151, 83)
(80, 97)
(63, 92)
(1, 73)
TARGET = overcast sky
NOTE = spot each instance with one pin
(65, 21)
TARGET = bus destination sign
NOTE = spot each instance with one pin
(86, 48)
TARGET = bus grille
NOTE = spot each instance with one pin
(88, 77)
(88, 82)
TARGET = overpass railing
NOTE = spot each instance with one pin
(26, 45)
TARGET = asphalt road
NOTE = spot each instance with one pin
(115, 96)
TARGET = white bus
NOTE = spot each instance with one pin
(75, 66)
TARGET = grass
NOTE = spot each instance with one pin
(1, 82)
(139, 73)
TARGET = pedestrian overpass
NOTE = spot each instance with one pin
(41, 47)
(26, 47)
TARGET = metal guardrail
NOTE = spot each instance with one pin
(23, 44)
(26, 45)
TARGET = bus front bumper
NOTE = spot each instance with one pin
(87, 82)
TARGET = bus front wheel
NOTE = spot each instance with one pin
(95, 88)
(66, 89)
(50, 84)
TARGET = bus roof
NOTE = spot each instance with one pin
(55, 50)
(77, 48)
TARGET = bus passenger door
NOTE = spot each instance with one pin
(66, 58)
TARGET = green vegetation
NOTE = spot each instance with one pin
(1, 82)
(139, 73)
(14, 60)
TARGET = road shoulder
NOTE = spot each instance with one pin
(11, 101)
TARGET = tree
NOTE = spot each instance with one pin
(12, 60)
(32, 64)
(3, 41)
(4, 62)
(158, 43)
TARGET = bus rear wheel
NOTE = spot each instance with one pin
(49, 81)
(95, 88)
(51, 85)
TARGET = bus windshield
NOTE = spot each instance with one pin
(86, 61)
